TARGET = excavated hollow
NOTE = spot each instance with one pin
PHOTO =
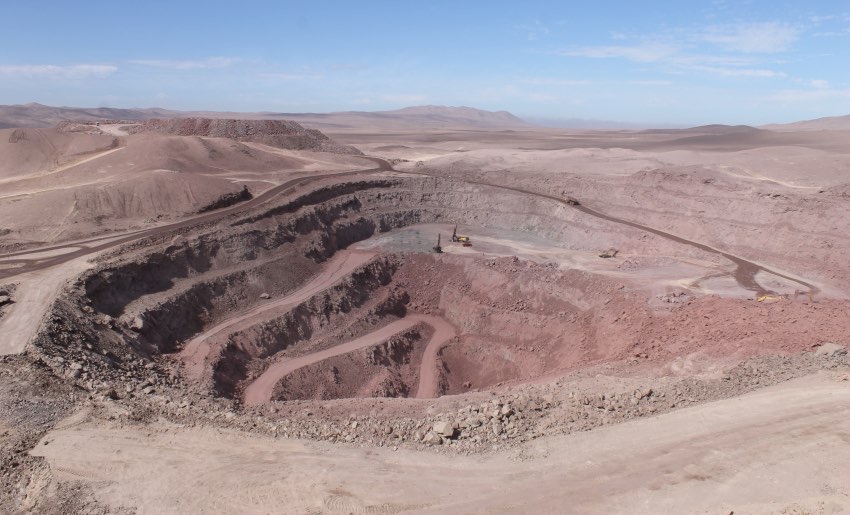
(202, 298)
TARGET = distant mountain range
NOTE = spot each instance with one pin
(429, 117)
(830, 123)
(409, 118)
(38, 115)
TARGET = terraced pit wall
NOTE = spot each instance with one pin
(152, 299)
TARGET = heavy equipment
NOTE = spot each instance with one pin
(460, 239)
(438, 249)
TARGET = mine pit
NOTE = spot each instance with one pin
(266, 286)
(296, 300)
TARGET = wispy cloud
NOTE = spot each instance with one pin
(738, 72)
(289, 77)
(540, 81)
(651, 82)
(752, 38)
(200, 64)
(52, 71)
(680, 56)
(544, 81)
(642, 52)
(791, 96)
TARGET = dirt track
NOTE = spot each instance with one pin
(261, 389)
(62, 168)
(726, 456)
(32, 265)
(197, 349)
(745, 271)
(24, 317)
(429, 374)
(42, 271)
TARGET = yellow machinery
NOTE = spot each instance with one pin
(460, 239)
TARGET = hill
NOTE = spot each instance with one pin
(829, 123)
(408, 118)
(276, 133)
(715, 129)
(412, 118)
(37, 115)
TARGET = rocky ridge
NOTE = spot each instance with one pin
(276, 133)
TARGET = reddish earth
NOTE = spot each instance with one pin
(610, 277)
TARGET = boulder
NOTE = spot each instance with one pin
(443, 429)
(831, 350)
(432, 438)
(496, 427)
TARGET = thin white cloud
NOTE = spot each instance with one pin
(539, 81)
(289, 77)
(52, 71)
(200, 64)
(793, 96)
(676, 59)
(752, 38)
(739, 72)
(651, 82)
(644, 52)
(820, 19)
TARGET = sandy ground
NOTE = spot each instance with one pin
(59, 186)
(33, 297)
(727, 456)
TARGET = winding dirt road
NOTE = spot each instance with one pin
(41, 272)
(783, 449)
(745, 270)
(83, 249)
(195, 352)
(261, 389)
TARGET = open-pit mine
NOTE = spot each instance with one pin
(212, 315)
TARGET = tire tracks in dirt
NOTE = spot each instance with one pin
(745, 270)
(260, 390)
(761, 452)
(196, 350)
(41, 279)
(212, 216)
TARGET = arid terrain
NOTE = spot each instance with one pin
(430, 310)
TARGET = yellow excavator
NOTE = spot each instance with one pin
(463, 240)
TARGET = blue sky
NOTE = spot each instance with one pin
(681, 62)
